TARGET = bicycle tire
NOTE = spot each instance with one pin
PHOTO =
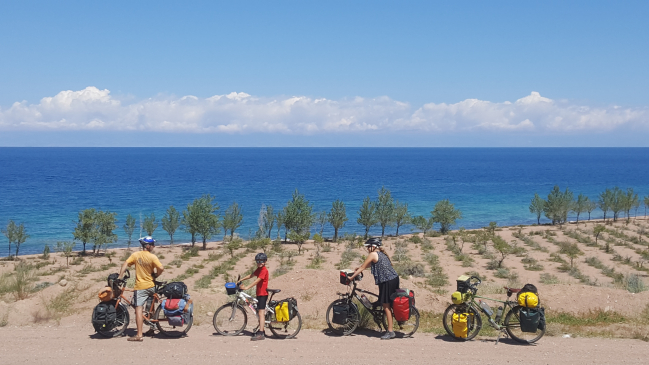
(353, 318)
(277, 327)
(411, 325)
(122, 320)
(512, 325)
(222, 317)
(163, 326)
(473, 330)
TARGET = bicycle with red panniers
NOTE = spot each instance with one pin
(344, 314)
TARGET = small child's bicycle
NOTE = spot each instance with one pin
(353, 318)
(506, 319)
(231, 318)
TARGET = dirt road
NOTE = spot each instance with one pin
(76, 344)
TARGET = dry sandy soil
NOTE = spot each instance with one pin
(74, 344)
(34, 323)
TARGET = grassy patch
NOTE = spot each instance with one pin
(58, 306)
(591, 318)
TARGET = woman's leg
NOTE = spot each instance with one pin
(388, 316)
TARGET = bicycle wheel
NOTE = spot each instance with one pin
(513, 327)
(286, 330)
(162, 323)
(230, 320)
(122, 320)
(474, 325)
(407, 328)
(353, 318)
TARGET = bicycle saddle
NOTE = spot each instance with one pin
(273, 290)
(512, 290)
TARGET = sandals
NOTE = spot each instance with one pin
(135, 338)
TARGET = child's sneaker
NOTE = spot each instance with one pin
(388, 335)
(258, 336)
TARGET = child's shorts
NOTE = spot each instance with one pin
(261, 302)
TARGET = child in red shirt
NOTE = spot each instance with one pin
(262, 294)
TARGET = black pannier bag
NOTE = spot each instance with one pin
(530, 319)
(174, 290)
(542, 319)
(340, 314)
(104, 316)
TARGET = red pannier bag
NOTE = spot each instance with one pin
(402, 299)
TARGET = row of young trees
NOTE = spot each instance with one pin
(202, 220)
(561, 203)
(15, 234)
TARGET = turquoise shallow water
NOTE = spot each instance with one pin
(46, 187)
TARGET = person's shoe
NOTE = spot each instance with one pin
(135, 339)
(388, 335)
(149, 333)
(258, 336)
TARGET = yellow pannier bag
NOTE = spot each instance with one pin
(460, 325)
(281, 312)
(458, 298)
(528, 300)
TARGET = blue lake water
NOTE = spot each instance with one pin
(46, 187)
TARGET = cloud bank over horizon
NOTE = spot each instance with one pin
(93, 109)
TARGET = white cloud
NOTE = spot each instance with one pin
(238, 112)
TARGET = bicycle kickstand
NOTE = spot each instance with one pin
(502, 331)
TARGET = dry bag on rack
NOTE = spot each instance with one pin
(528, 297)
(174, 290)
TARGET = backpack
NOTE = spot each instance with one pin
(285, 309)
(460, 324)
(106, 294)
(174, 290)
(402, 300)
(528, 297)
(173, 307)
(340, 314)
(104, 316)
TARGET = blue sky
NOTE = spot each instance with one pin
(332, 73)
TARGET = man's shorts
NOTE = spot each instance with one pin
(261, 302)
(142, 295)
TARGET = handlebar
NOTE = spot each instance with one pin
(474, 286)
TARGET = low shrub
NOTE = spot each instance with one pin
(409, 268)
(546, 278)
(634, 283)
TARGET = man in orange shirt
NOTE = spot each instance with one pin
(145, 262)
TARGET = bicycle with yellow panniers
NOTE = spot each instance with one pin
(522, 319)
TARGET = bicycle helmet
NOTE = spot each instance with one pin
(148, 240)
(261, 257)
(376, 242)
